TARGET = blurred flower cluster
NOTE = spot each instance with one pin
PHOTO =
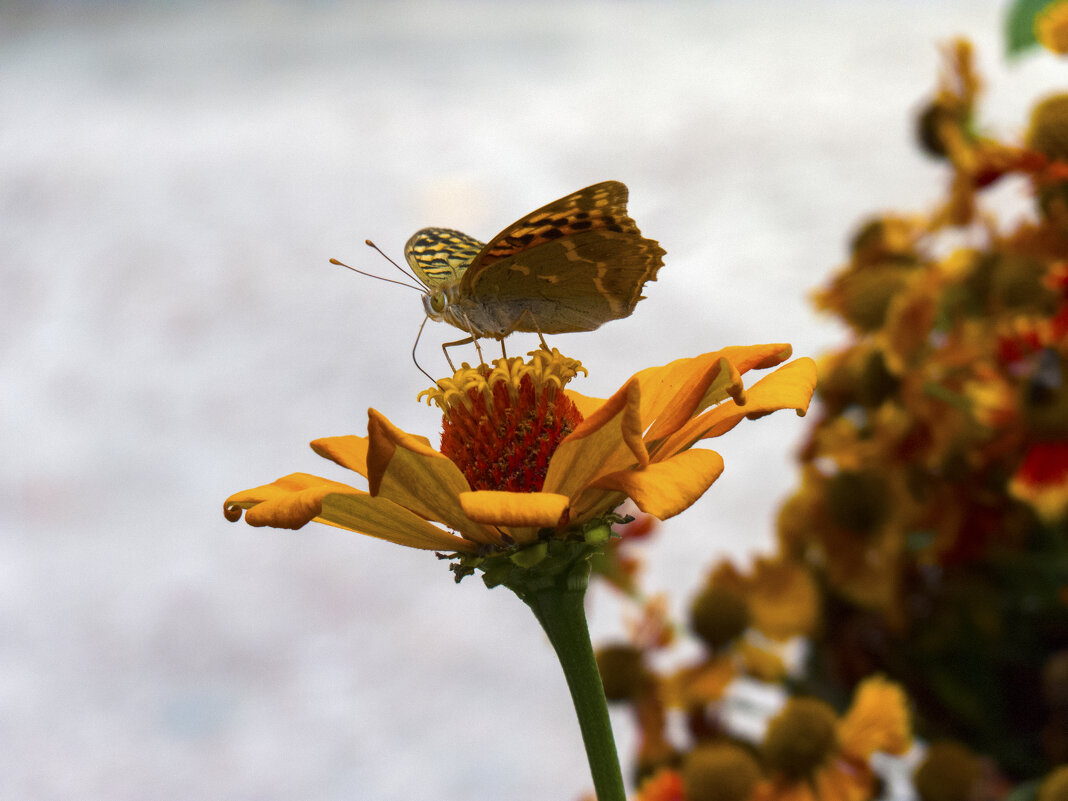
(921, 579)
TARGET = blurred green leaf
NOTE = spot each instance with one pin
(1020, 25)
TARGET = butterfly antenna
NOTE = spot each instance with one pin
(415, 344)
(406, 273)
(380, 278)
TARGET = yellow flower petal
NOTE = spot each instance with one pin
(585, 404)
(761, 663)
(407, 471)
(290, 502)
(605, 441)
(662, 386)
(789, 387)
(700, 684)
(757, 357)
(878, 720)
(783, 599)
(663, 489)
(844, 783)
(383, 439)
(1051, 27)
(348, 451)
(381, 518)
(713, 380)
(533, 509)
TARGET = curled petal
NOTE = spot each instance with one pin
(757, 357)
(608, 440)
(381, 518)
(676, 391)
(407, 471)
(533, 509)
(663, 489)
(789, 387)
(349, 452)
(290, 502)
(715, 381)
(383, 439)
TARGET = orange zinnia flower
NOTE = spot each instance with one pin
(524, 460)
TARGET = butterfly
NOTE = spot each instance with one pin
(572, 265)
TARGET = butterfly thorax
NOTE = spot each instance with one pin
(449, 304)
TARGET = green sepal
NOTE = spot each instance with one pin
(597, 532)
(528, 557)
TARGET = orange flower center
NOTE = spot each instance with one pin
(501, 424)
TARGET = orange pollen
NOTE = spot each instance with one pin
(504, 441)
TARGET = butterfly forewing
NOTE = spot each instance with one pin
(601, 206)
(440, 255)
(570, 266)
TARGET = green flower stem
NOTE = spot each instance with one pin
(560, 610)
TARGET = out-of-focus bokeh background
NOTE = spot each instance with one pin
(173, 179)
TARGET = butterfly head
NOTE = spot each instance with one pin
(434, 303)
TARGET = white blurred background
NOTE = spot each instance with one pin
(173, 179)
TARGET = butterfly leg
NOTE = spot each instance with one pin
(416, 345)
(445, 349)
(533, 327)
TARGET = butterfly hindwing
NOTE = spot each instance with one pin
(440, 255)
(572, 284)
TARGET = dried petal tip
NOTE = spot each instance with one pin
(501, 424)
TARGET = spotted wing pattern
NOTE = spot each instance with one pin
(440, 255)
(599, 207)
(572, 265)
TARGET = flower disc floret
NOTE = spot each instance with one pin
(501, 424)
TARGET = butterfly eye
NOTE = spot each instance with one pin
(434, 304)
